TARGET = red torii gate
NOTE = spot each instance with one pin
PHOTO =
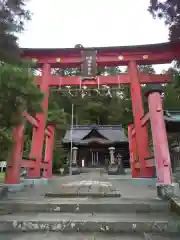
(129, 56)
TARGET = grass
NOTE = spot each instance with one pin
(2, 175)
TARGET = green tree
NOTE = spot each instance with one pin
(169, 11)
(18, 93)
(172, 91)
(12, 17)
(146, 69)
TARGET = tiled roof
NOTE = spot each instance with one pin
(113, 133)
(172, 116)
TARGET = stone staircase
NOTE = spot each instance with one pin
(80, 217)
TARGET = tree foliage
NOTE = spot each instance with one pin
(12, 16)
(172, 93)
(169, 11)
(18, 93)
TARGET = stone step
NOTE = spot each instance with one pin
(83, 194)
(88, 236)
(91, 223)
(84, 205)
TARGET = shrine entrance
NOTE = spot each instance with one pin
(95, 158)
(89, 60)
(93, 143)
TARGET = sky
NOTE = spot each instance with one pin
(92, 23)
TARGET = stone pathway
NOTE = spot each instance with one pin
(95, 182)
(85, 188)
(84, 236)
(88, 206)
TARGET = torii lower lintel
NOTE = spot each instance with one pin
(107, 80)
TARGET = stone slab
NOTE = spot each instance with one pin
(14, 187)
(67, 190)
(110, 223)
(87, 236)
(85, 188)
(90, 183)
(96, 188)
(29, 181)
(84, 206)
(83, 194)
(70, 236)
(106, 189)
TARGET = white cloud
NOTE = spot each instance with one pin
(64, 23)
(60, 23)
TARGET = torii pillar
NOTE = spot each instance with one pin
(132, 151)
(160, 143)
(48, 159)
(39, 132)
(138, 113)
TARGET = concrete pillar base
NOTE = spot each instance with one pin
(144, 181)
(121, 170)
(75, 169)
(14, 187)
(3, 191)
(28, 182)
(166, 192)
(113, 169)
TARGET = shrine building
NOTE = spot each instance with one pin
(93, 144)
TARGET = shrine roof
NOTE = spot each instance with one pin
(172, 121)
(172, 116)
(117, 49)
(111, 133)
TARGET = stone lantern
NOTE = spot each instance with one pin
(74, 155)
(120, 164)
(113, 167)
(74, 166)
(111, 152)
